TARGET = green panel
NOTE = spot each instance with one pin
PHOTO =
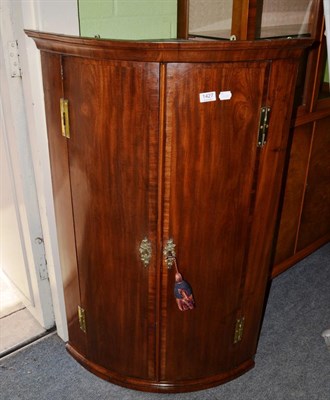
(152, 8)
(128, 19)
(326, 72)
(90, 9)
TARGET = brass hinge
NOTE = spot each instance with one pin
(82, 319)
(239, 327)
(64, 108)
(263, 126)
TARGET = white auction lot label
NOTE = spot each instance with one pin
(207, 96)
(226, 95)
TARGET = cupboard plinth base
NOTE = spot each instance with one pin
(159, 386)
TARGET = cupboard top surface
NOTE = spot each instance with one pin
(169, 51)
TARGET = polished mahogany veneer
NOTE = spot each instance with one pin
(148, 158)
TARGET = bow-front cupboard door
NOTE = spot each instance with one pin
(211, 166)
(110, 165)
(223, 177)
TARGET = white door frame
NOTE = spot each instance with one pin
(49, 16)
(20, 174)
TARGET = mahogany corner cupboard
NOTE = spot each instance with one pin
(165, 153)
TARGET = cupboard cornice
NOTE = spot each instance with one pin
(169, 51)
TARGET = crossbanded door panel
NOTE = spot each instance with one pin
(112, 151)
(211, 162)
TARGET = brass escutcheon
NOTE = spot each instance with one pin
(169, 253)
(145, 251)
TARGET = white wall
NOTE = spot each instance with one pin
(58, 17)
(326, 6)
(28, 240)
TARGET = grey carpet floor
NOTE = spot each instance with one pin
(292, 361)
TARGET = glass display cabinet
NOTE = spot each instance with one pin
(305, 216)
(246, 19)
